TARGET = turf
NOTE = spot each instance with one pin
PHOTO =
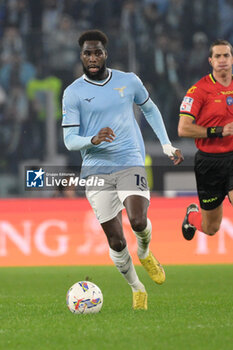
(193, 310)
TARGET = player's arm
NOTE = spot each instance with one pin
(154, 118)
(71, 125)
(105, 134)
(74, 142)
(71, 122)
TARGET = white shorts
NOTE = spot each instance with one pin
(107, 201)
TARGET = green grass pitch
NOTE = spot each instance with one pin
(193, 310)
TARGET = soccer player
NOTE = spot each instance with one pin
(206, 114)
(98, 120)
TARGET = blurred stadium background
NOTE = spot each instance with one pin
(164, 41)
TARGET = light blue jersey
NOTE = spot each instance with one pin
(93, 105)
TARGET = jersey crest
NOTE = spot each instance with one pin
(121, 90)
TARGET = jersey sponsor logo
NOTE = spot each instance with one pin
(121, 90)
(230, 101)
(191, 90)
(209, 200)
(217, 100)
(186, 104)
(227, 92)
(89, 99)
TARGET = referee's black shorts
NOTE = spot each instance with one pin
(214, 177)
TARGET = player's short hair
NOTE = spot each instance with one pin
(93, 35)
(219, 42)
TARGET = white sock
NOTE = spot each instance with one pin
(124, 264)
(143, 239)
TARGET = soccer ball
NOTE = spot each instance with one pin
(84, 297)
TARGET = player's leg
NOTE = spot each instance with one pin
(107, 208)
(210, 217)
(206, 221)
(211, 178)
(121, 257)
(114, 233)
(136, 207)
(230, 182)
(230, 196)
(211, 220)
(134, 194)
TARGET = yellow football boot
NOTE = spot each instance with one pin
(140, 300)
(154, 269)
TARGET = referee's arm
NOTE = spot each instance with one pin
(188, 128)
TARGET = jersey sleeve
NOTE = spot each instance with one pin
(192, 102)
(141, 95)
(70, 109)
(154, 118)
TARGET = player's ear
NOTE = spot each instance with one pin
(210, 60)
(106, 53)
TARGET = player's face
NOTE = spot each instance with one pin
(221, 59)
(93, 57)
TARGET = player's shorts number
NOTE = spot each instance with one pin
(141, 181)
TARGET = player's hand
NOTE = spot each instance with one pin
(105, 134)
(228, 129)
(173, 153)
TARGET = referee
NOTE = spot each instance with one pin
(206, 114)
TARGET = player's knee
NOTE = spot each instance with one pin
(117, 244)
(138, 224)
(212, 228)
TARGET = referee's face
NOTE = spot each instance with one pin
(93, 57)
(221, 60)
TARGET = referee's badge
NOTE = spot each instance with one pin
(230, 101)
(186, 104)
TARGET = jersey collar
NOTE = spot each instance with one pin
(212, 78)
(96, 82)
